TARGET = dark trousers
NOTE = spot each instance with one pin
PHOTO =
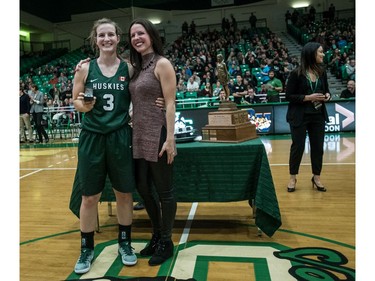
(155, 185)
(37, 116)
(314, 125)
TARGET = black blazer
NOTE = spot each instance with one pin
(297, 87)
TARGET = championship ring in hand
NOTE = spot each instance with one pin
(89, 94)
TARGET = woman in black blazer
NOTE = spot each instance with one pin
(307, 91)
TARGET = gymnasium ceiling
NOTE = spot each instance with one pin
(61, 11)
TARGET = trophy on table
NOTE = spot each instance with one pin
(229, 124)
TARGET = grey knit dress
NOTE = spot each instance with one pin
(148, 119)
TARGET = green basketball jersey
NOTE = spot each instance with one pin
(111, 110)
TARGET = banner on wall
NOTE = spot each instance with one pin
(341, 117)
(271, 119)
(215, 3)
(261, 116)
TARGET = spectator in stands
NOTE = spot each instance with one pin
(181, 87)
(230, 86)
(333, 64)
(223, 24)
(264, 69)
(62, 78)
(208, 78)
(350, 69)
(197, 78)
(182, 75)
(206, 91)
(65, 91)
(216, 89)
(295, 17)
(232, 69)
(222, 95)
(233, 23)
(199, 66)
(277, 67)
(341, 42)
(349, 92)
(249, 77)
(192, 28)
(103, 126)
(321, 39)
(250, 96)
(154, 147)
(54, 92)
(331, 12)
(25, 117)
(262, 94)
(288, 17)
(192, 85)
(274, 86)
(36, 101)
(54, 79)
(252, 62)
(307, 90)
(253, 21)
(239, 90)
(185, 28)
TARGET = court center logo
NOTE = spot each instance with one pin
(267, 261)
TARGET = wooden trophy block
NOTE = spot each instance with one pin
(228, 126)
(236, 133)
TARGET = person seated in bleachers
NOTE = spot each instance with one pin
(192, 85)
(350, 69)
(54, 79)
(54, 92)
(217, 87)
(250, 96)
(252, 62)
(181, 87)
(349, 92)
(262, 94)
(206, 92)
(250, 78)
(62, 78)
(333, 64)
(265, 69)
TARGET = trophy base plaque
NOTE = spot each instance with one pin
(228, 125)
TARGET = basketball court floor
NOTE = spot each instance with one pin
(213, 241)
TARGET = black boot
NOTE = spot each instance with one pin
(149, 250)
(163, 252)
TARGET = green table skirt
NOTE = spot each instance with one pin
(219, 172)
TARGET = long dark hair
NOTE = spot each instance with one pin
(308, 59)
(157, 44)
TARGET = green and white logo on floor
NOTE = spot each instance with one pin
(252, 261)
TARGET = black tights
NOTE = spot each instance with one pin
(155, 186)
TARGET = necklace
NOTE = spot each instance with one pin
(149, 63)
(313, 89)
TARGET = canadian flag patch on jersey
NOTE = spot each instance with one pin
(122, 78)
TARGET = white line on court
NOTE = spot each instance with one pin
(29, 174)
(189, 221)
